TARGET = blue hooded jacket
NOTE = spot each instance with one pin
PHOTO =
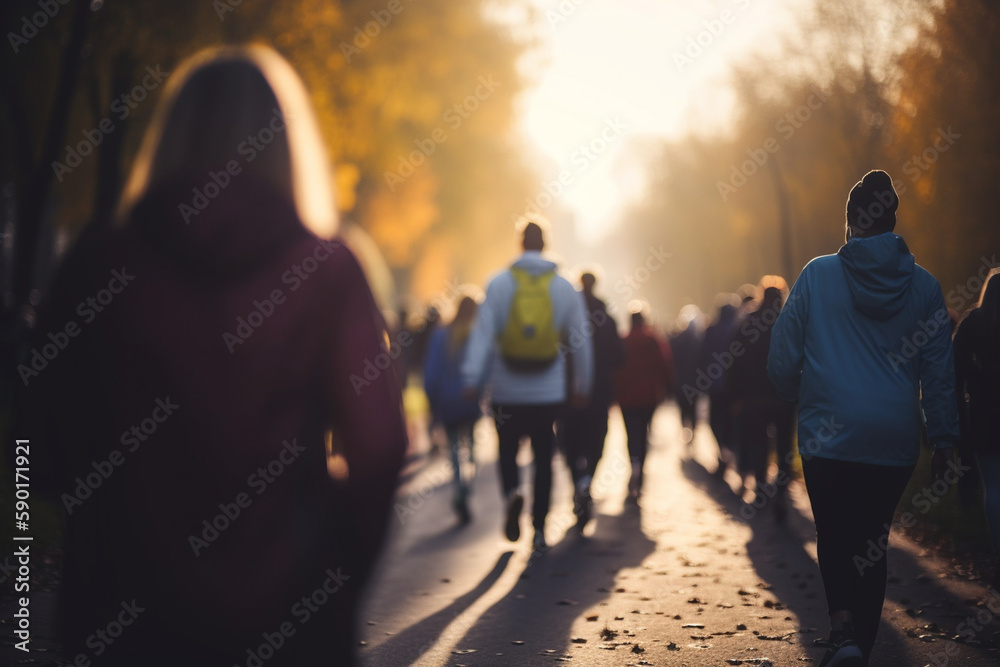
(863, 340)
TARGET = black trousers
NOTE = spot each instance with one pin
(582, 434)
(720, 418)
(755, 442)
(637, 421)
(854, 504)
(535, 422)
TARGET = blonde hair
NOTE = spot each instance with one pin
(216, 101)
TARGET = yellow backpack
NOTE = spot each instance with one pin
(529, 341)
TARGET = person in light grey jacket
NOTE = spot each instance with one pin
(527, 397)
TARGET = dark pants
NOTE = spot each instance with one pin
(755, 442)
(582, 434)
(637, 421)
(720, 418)
(853, 504)
(689, 410)
(536, 422)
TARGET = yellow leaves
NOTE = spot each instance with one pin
(398, 221)
(346, 178)
(434, 269)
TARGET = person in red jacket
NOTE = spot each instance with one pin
(230, 354)
(640, 385)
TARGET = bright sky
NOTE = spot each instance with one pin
(621, 61)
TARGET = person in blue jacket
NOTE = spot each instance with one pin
(449, 406)
(863, 345)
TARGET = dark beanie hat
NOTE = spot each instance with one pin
(872, 204)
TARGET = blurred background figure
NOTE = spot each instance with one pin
(761, 416)
(716, 361)
(218, 524)
(455, 411)
(685, 344)
(977, 370)
(423, 332)
(585, 428)
(640, 385)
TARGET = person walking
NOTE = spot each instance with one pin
(977, 370)
(585, 428)
(529, 319)
(715, 351)
(758, 409)
(450, 407)
(685, 344)
(216, 388)
(640, 386)
(863, 344)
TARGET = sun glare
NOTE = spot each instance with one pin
(651, 70)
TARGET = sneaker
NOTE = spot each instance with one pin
(513, 527)
(539, 543)
(843, 651)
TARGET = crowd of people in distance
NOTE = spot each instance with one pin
(821, 358)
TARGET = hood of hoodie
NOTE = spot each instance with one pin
(534, 263)
(879, 270)
(235, 233)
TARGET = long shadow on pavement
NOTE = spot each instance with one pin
(555, 588)
(792, 577)
(406, 647)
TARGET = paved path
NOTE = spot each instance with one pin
(681, 580)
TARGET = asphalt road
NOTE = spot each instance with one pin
(684, 579)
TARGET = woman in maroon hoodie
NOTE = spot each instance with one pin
(215, 365)
(640, 385)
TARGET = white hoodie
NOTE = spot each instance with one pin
(483, 364)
